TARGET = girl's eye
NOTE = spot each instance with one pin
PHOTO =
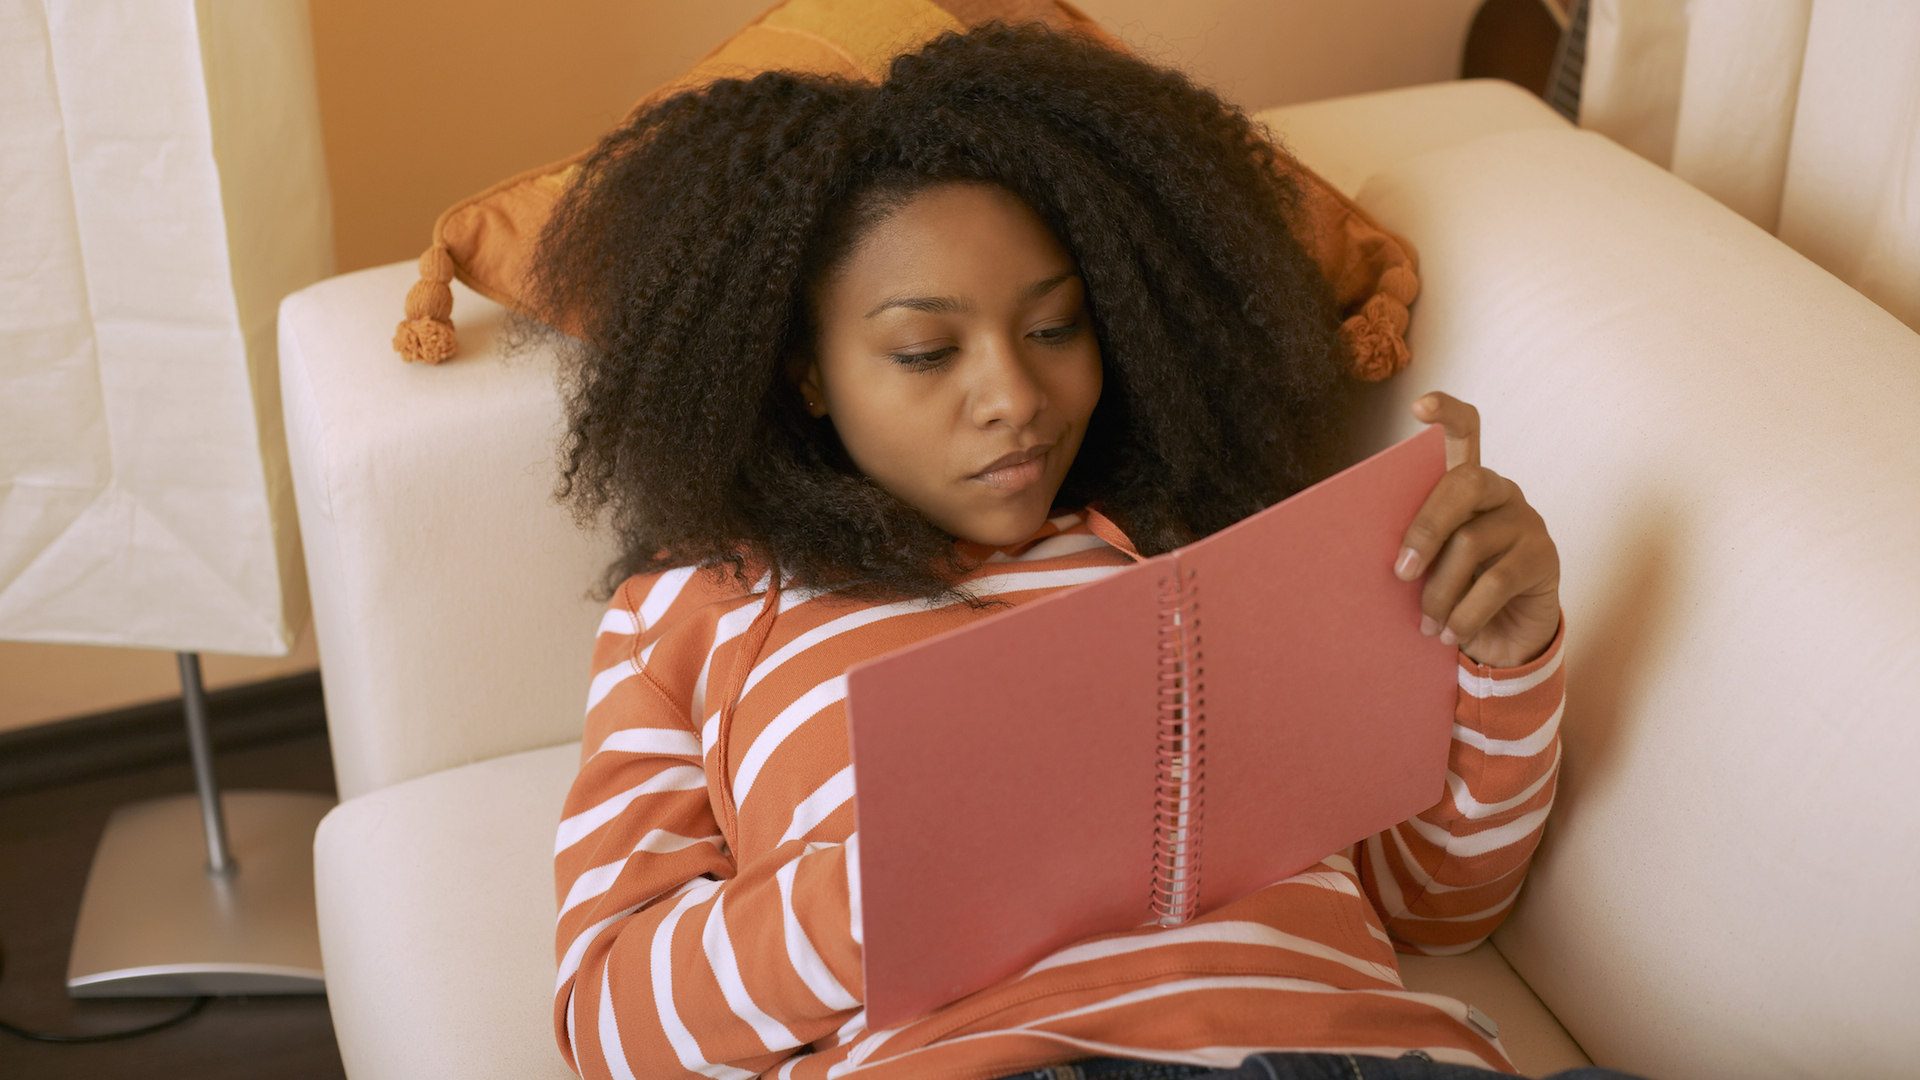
(924, 360)
(1056, 335)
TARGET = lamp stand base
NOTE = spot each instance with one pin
(155, 923)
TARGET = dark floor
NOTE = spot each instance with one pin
(46, 845)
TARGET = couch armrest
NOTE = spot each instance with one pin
(1720, 435)
(451, 594)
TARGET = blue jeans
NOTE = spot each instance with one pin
(1284, 1066)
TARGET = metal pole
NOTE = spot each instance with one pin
(220, 862)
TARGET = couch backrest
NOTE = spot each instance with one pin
(1721, 436)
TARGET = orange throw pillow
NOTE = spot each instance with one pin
(487, 241)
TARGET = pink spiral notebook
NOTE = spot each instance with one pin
(1149, 747)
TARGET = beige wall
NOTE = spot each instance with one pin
(424, 102)
(1262, 53)
(39, 683)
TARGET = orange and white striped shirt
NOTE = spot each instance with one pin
(707, 870)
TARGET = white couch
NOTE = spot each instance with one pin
(1720, 435)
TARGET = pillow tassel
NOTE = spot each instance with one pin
(426, 334)
(1376, 337)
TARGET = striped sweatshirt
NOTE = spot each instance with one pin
(707, 871)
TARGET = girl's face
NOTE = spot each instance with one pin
(957, 362)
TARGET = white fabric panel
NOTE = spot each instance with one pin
(1635, 66)
(1737, 101)
(436, 922)
(1705, 87)
(161, 186)
(452, 594)
(1719, 434)
(1852, 200)
(1803, 117)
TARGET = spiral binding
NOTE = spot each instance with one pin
(1181, 773)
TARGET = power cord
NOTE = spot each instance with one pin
(189, 1013)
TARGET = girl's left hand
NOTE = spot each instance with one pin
(1494, 586)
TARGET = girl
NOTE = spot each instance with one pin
(854, 365)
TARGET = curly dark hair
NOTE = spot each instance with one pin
(683, 261)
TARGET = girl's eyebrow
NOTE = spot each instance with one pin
(1041, 288)
(942, 305)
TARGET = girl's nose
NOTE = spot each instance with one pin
(1005, 390)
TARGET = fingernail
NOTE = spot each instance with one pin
(1447, 637)
(1428, 626)
(1407, 566)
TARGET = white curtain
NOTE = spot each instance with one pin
(1852, 199)
(162, 186)
(1802, 115)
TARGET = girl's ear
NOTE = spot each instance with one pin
(806, 376)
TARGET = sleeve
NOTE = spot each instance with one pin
(1443, 880)
(674, 960)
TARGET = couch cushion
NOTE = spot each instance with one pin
(436, 921)
(1535, 1041)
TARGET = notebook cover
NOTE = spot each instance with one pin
(1328, 714)
(1005, 771)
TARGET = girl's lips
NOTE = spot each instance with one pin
(1017, 470)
